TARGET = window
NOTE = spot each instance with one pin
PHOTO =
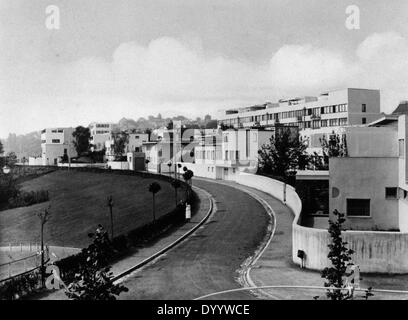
(333, 122)
(358, 207)
(391, 193)
(363, 107)
(324, 123)
(343, 121)
(55, 140)
(236, 155)
(401, 146)
(316, 124)
(342, 108)
(364, 120)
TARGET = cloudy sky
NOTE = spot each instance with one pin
(129, 58)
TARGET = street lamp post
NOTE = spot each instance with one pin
(110, 205)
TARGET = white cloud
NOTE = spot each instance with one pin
(297, 67)
(169, 75)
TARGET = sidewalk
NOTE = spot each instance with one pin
(275, 266)
(141, 254)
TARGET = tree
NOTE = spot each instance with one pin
(176, 184)
(282, 155)
(154, 188)
(211, 124)
(81, 140)
(120, 140)
(11, 159)
(187, 176)
(340, 257)
(94, 279)
(170, 125)
(44, 217)
(336, 146)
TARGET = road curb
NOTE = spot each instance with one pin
(174, 243)
(246, 267)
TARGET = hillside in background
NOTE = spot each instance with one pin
(24, 145)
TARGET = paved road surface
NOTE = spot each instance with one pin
(208, 261)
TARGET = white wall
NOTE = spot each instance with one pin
(375, 252)
(365, 178)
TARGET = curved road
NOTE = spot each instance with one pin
(208, 261)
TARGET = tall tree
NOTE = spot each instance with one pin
(154, 188)
(283, 154)
(81, 136)
(11, 158)
(120, 139)
(335, 146)
(340, 257)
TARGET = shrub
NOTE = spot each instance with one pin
(8, 189)
(28, 198)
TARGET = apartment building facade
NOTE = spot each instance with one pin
(55, 144)
(100, 133)
(314, 116)
(224, 154)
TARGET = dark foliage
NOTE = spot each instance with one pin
(340, 257)
(282, 155)
(93, 281)
(28, 198)
(81, 140)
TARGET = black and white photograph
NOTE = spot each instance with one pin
(183, 151)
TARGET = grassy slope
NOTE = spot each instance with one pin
(78, 204)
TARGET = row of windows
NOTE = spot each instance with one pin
(53, 141)
(288, 114)
(101, 125)
(205, 154)
(315, 124)
(231, 155)
(57, 131)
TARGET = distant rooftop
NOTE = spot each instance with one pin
(402, 108)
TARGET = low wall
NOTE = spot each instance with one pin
(118, 165)
(82, 165)
(375, 251)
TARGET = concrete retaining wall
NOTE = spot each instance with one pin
(375, 251)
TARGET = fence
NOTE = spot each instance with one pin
(18, 259)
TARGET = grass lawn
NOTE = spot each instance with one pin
(78, 204)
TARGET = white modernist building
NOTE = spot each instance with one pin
(224, 154)
(55, 144)
(314, 116)
(100, 133)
